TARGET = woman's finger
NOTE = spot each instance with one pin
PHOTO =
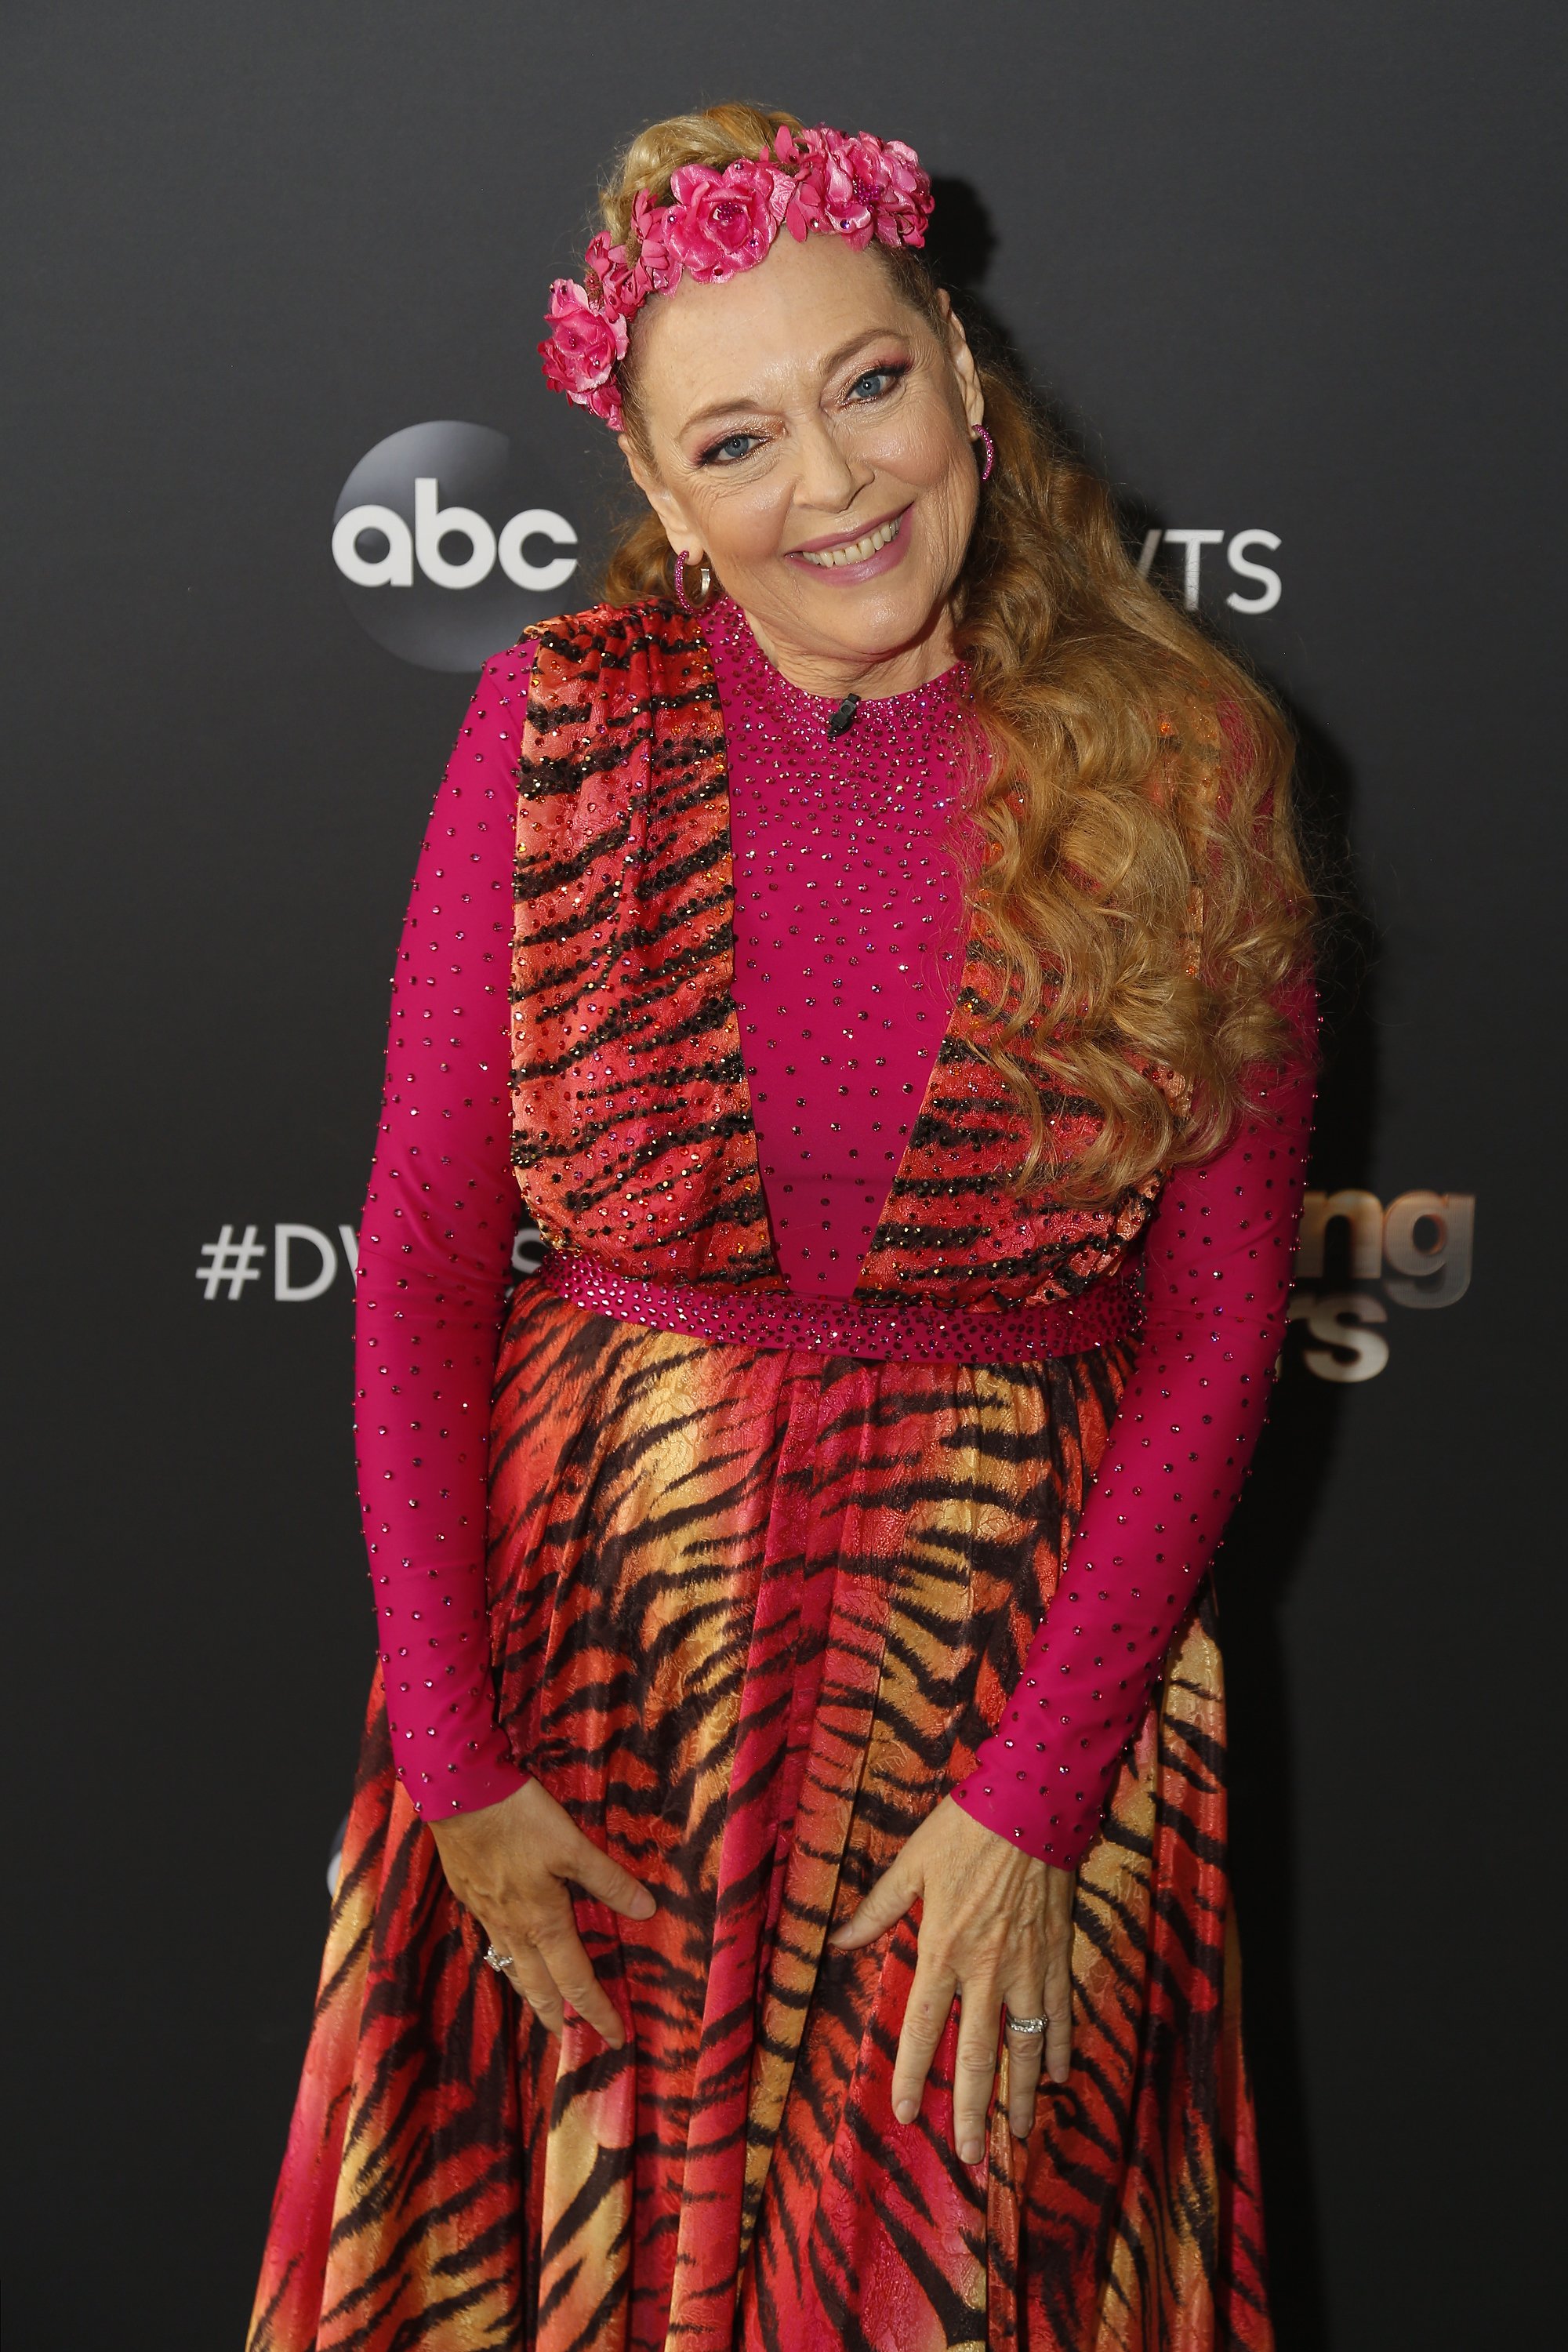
(975, 2070)
(888, 1901)
(596, 1874)
(1025, 2056)
(1060, 1890)
(1059, 2011)
(926, 2015)
(528, 1977)
(560, 1948)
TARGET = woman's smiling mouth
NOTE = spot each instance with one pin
(854, 554)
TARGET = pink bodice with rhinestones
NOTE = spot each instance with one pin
(848, 938)
(847, 914)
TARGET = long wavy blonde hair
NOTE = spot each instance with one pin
(1138, 888)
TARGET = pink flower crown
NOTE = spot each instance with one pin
(718, 224)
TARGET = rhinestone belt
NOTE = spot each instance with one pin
(1109, 1310)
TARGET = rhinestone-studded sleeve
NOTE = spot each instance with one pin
(1217, 1274)
(434, 1263)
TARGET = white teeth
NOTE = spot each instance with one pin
(828, 558)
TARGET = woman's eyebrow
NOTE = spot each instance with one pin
(835, 359)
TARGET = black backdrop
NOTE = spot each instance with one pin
(1286, 270)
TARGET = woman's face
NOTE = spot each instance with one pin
(812, 437)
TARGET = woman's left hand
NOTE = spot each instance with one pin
(995, 1930)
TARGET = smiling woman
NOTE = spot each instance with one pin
(785, 1898)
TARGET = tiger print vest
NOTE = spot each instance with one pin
(632, 1139)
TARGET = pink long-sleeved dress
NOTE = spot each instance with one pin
(750, 1610)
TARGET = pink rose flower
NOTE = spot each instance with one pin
(583, 348)
(590, 342)
(902, 204)
(846, 197)
(722, 221)
(605, 402)
(655, 260)
(611, 282)
(796, 198)
(862, 187)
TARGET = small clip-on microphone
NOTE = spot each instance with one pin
(843, 718)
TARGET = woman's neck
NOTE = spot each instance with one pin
(835, 674)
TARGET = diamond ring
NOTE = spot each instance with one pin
(1025, 2024)
(500, 1962)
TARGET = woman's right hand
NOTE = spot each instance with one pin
(511, 1864)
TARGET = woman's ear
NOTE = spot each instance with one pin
(683, 536)
(961, 358)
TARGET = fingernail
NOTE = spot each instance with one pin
(906, 2111)
(645, 1906)
(970, 2152)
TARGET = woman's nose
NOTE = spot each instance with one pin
(828, 478)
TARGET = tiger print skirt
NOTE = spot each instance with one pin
(751, 1613)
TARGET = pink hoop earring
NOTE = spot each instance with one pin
(990, 460)
(682, 598)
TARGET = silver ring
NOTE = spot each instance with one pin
(1026, 2024)
(500, 1962)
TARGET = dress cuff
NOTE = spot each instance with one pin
(459, 1764)
(1063, 1845)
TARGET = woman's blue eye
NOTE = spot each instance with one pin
(732, 446)
(879, 380)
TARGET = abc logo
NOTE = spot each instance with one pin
(444, 550)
